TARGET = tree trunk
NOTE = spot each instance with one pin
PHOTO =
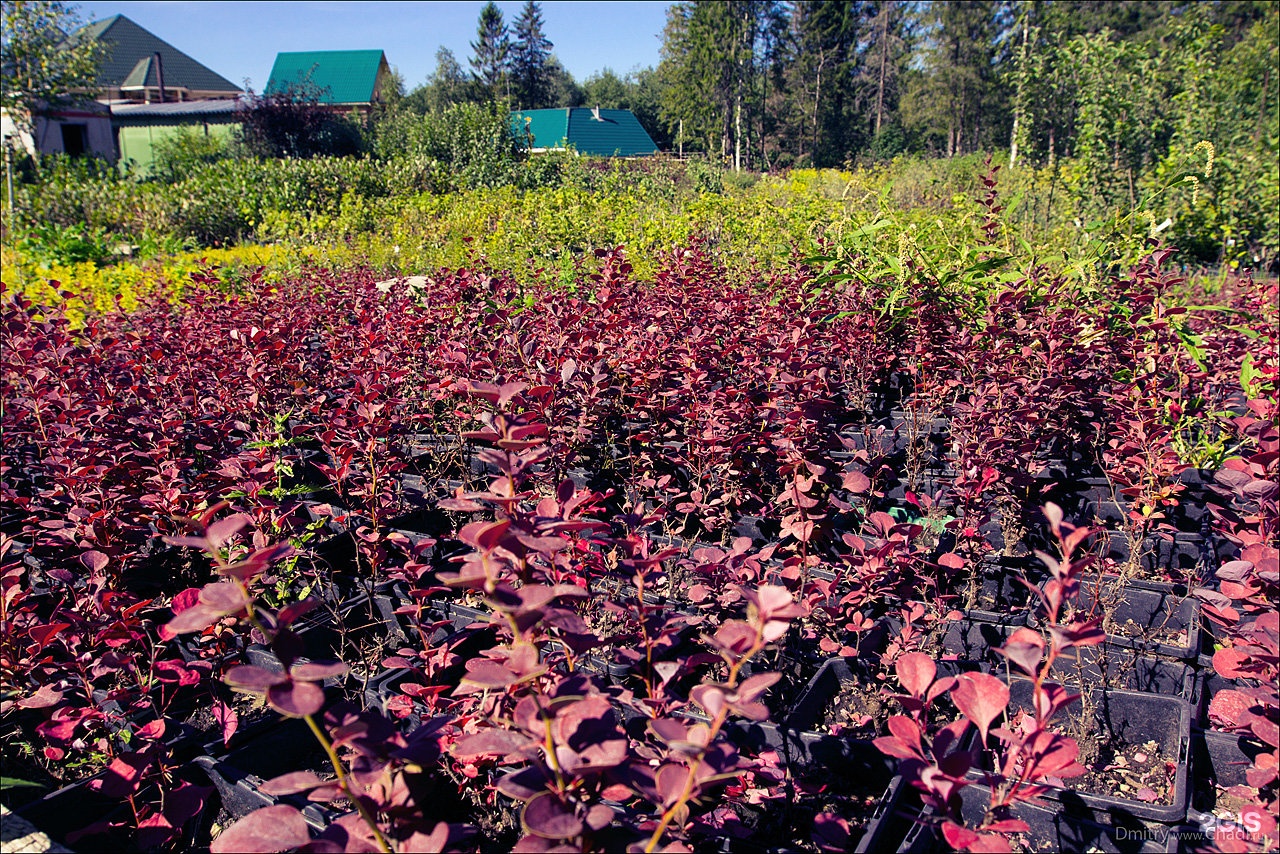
(737, 135)
(817, 96)
(1018, 104)
(884, 55)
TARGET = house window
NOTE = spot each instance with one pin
(75, 139)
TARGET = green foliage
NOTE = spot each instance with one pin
(529, 60)
(43, 62)
(492, 50)
(49, 243)
(462, 146)
(185, 151)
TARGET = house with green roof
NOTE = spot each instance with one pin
(342, 79)
(588, 130)
(140, 67)
(139, 70)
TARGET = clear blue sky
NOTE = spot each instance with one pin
(241, 39)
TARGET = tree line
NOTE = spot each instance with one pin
(766, 84)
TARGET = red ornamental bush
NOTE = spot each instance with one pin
(547, 569)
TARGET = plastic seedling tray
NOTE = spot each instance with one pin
(1053, 829)
(1156, 619)
(1134, 719)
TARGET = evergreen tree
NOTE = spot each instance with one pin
(563, 90)
(711, 73)
(887, 52)
(957, 100)
(530, 54)
(823, 77)
(491, 52)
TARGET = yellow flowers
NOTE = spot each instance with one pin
(1206, 146)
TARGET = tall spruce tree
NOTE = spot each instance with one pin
(530, 56)
(491, 52)
(824, 78)
(711, 74)
(957, 99)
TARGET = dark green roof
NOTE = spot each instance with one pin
(343, 76)
(128, 59)
(614, 132)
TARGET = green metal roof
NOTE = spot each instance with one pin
(128, 59)
(616, 132)
(343, 76)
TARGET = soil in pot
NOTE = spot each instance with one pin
(838, 810)
(1132, 745)
(858, 711)
(252, 715)
(1157, 634)
(1141, 771)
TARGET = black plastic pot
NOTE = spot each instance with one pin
(1207, 685)
(803, 745)
(239, 775)
(1132, 718)
(76, 802)
(1002, 586)
(77, 806)
(322, 636)
(875, 835)
(1176, 558)
(967, 644)
(1219, 760)
(1149, 608)
(178, 737)
(1056, 830)
(1102, 503)
(1081, 668)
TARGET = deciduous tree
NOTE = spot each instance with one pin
(45, 61)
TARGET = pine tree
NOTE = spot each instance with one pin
(530, 55)
(956, 100)
(491, 52)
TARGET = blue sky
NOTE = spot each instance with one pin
(241, 39)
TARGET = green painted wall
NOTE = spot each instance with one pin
(137, 141)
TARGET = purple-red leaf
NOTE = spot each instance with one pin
(268, 830)
(981, 698)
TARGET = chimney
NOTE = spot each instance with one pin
(159, 74)
(595, 114)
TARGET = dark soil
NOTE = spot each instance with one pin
(787, 823)
(250, 709)
(857, 711)
(1136, 771)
